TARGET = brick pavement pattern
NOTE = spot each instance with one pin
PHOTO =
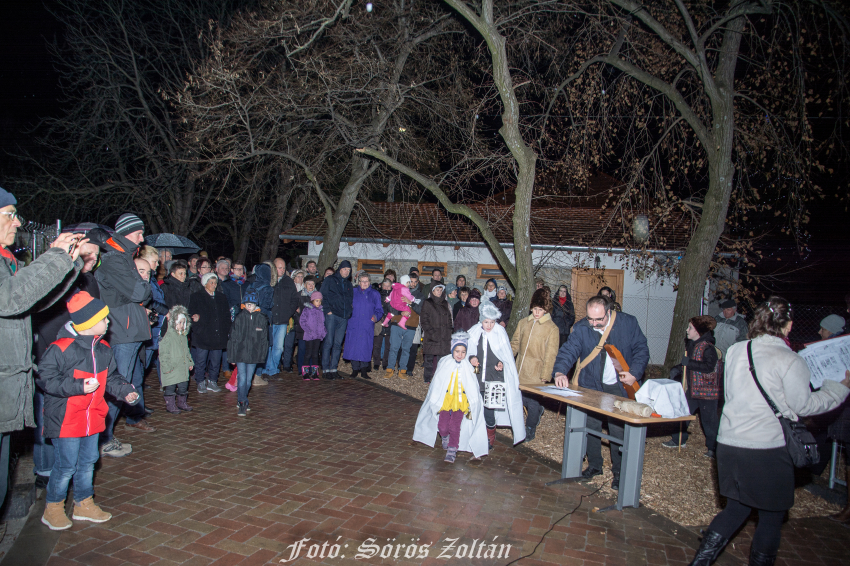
(333, 462)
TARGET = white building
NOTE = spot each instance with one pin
(569, 248)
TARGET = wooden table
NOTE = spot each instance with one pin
(576, 431)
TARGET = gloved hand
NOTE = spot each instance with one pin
(684, 361)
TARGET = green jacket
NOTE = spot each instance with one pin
(174, 356)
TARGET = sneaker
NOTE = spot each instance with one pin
(330, 375)
(55, 518)
(590, 473)
(673, 444)
(530, 433)
(615, 483)
(88, 510)
(259, 381)
(202, 387)
(709, 454)
(115, 448)
(211, 386)
(242, 410)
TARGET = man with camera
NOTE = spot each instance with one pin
(125, 292)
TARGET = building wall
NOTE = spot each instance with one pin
(649, 298)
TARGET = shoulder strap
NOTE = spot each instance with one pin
(596, 349)
(776, 412)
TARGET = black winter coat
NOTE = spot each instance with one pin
(176, 293)
(286, 300)
(337, 296)
(213, 326)
(124, 292)
(505, 307)
(564, 316)
(249, 338)
(436, 322)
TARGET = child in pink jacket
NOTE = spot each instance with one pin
(395, 299)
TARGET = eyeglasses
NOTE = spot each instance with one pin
(597, 319)
(14, 216)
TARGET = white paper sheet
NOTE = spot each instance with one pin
(563, 392)
(827, 359)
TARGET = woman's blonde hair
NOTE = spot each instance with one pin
(149, 252)
(273, 280)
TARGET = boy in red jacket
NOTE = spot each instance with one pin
(75, 372)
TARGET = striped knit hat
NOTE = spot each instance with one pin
(129, 223)
(459, 339)
(86, 311)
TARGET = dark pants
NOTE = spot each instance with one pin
(332, 348)
(181, 388)
(449, 424)
(311, 354)
(288, 347)
(767, 535)
(207, 364)
(489, 416)
(708, 417)
(42, 449)
(594, 443)
(535, 411)
(381, 349)
(430, 366)
(411, 359)
(302, 348)
(5, 439)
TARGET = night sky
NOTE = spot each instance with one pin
(29, 90)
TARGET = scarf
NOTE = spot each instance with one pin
(12, 261)
(562, 300)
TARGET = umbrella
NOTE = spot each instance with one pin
(84, 227)
(172, 242)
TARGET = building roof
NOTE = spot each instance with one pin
(429, 223)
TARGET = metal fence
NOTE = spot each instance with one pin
(34, 238)
(807, 322)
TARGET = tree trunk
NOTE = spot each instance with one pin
(360, 171)
(272, 241)
(240, 248)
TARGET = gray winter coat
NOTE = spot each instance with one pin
(19, 296)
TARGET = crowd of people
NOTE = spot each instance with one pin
(100, 310)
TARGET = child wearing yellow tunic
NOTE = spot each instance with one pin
(455, 406)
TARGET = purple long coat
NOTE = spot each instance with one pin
(360, 333)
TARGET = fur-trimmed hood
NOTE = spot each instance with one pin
(174, 315)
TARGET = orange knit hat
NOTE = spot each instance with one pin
(86, 311)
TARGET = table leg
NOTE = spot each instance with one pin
(631, 468)
(575, 445)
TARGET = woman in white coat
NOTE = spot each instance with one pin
(453, 406)
(490, 349)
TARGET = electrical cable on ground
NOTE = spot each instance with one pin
(542, 538)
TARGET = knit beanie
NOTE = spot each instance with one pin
(250, 297)
(86, 311)
(7, 198)
(128, 223)
(315, 296)
(488, 311)
(345, 263)
(833, 323)
(451, 288)
(206, 277)
(404, 280)
(460, 339)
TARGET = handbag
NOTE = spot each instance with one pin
(799, 441)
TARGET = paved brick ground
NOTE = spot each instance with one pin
(334, 463)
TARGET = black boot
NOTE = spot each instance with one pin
(710, 547)
(761, 559)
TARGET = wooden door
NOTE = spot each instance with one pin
(587, 282)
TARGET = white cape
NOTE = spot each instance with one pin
(501, 346)
(473, 433)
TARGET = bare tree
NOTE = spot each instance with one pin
(309, 83)
(700, 107)
(119, 145)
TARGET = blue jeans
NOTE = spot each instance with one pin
(125, 360)
(332, 348)
(400, 338)
(277, 335)
(75, 458)
(288, 346)
(244, 377)
(42, 449)
(207, 364)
